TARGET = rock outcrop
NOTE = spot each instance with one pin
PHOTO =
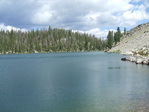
(137, 60)
(135, 40)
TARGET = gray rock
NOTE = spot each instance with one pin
(132, 59)
(139, 60)
(145, 61)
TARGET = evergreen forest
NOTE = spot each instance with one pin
(114, 37)
(48, 40)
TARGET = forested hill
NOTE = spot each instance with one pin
(48, 40)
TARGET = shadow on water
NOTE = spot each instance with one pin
(114, 67)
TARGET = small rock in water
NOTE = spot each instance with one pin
(124, 59)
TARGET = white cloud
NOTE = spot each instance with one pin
(131, 17)
(9, 28)
(100, 33)
(136, 15)
(83, 15)
(42, 14)
(41, 18)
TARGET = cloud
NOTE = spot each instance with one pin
(146, 3)
(9, 28)
(16, 13)
(100, 33)
(83, 15)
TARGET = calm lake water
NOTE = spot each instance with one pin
(72, 82)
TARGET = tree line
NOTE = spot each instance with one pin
(48, 40)
(114, 37)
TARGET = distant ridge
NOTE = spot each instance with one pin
(135, 39)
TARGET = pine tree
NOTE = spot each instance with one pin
(125, 31)
(110, 39)
(115, 37)
(118, 34)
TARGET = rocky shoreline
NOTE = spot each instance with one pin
(137, 59)
(139, 56)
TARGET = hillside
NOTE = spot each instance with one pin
(136, 40)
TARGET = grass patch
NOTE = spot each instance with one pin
(118, 51)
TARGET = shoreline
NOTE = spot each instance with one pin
(137, 59)
(50, 52)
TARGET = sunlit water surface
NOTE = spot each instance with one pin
(72, 82)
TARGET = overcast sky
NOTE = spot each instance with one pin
(92, 16)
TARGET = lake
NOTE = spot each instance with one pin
(72, 82)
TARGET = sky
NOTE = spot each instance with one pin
(91, 16)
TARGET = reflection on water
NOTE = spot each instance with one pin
(72, 82)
